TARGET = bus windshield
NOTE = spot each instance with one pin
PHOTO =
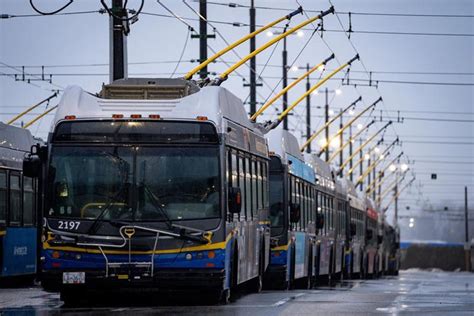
(131, 183)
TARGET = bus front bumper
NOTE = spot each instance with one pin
(162, 280)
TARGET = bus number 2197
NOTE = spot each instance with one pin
(69, 225)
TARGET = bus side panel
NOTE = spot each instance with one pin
(19, 245)
(300, 255)
(325, 251)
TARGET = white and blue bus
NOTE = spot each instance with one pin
(354, 258)
(18, 231)
(326, 239)
(293, 212)
(155, 183)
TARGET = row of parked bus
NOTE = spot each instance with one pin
(162, 184)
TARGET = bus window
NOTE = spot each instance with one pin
(3, 196)
(15, 200)
(259, 184)
(242, 183)
(248, 189)
(262, 184)
(254, 188)
(28, 202)
(234, 169)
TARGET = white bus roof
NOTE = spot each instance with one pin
(215, 103)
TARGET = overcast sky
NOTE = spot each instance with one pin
(441, 146)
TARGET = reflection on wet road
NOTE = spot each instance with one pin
(412, 292)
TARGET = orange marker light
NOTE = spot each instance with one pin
(211, 254)
(117, 116)
(56, 255)
(154, 116)
(70, 117)
(136, 116)
(201, 118)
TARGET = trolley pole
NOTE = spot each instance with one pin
(350, 152)
(285, 80)
(341, 139)
(326, 108)
(118, 42)
(308, 111)
(467, 245)
(253, 63)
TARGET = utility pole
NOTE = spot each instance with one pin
(467, 245)
(118, 42)
(326, 108)
(361, 165)
(350, 153)
(253, 63)
(368, 166)
(308, 111)
(396, 200)
(341, 160)
(285, 80)
(203, 36)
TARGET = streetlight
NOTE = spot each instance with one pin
(285, 68)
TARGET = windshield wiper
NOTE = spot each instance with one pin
(155, 201)
(122, 163)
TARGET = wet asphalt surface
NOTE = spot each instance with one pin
(412, 292)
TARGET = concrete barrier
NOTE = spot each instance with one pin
(445, 256)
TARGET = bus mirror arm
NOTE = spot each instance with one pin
(319, 221)
(295, 212)
(234, 199)
(353, 229)
(369, 234)
(32, 163)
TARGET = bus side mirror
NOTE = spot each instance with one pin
(319, 221)
(353, 229)
(32, 167)
(295, 213)
(234, 200)
(369, 234)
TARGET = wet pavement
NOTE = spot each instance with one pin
(412, 292)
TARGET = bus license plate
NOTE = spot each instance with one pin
(74, 277)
